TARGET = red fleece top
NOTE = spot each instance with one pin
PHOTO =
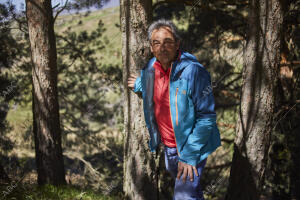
(161, 100)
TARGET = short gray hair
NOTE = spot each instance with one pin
(163, 23)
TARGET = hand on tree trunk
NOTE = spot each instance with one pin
(131, 80)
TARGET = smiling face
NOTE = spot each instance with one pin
(163, 46)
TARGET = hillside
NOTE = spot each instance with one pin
(110, 18)
(84, 151)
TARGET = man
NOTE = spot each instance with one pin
(178, 108)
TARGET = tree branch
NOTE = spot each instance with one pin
(59, 11)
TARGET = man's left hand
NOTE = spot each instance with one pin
(186, 169)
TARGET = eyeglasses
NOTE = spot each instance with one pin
(168, 43)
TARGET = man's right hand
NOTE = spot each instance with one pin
(131, 80)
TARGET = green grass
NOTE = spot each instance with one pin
(20, 114)
(50, 192)
(110, 16)
(111, 55)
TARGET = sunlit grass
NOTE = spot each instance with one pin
(50, 192)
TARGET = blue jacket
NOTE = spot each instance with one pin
(192, 108)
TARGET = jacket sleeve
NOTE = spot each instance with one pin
(205, 116)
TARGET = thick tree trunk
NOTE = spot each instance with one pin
(260, 76)
(46, 124)
(140, 165)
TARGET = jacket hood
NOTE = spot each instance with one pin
(185, 60)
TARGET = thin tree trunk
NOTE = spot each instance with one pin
(255, 124)
(46, 124)
(140, 165)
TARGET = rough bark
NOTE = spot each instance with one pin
(140, 165)
(255, 124)
(46, 124)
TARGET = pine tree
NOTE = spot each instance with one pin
(46, 123)
(257, 109)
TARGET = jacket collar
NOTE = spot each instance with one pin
(184, 59)
(157, 65)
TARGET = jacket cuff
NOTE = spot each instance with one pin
(192, 161)
(137, 85)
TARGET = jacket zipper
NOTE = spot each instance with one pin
(176, 106)
(170, 107)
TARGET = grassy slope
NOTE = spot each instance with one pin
(18, 118)
(109, 17)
